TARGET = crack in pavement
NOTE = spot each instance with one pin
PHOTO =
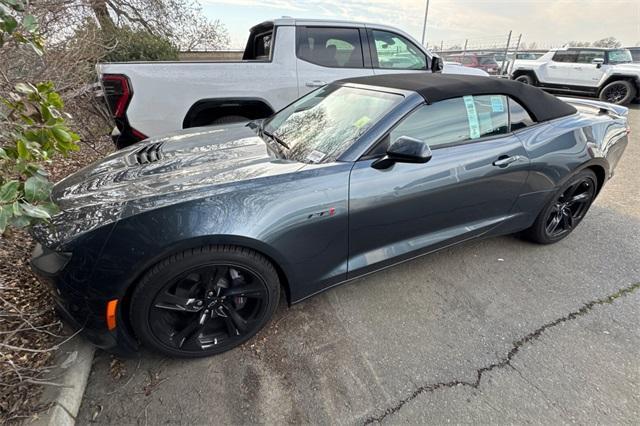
(506, 361)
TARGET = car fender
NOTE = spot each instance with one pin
(144, 264)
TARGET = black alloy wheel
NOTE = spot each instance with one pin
(570, 208)
(566, 210)
(206, 304)
(619, 92)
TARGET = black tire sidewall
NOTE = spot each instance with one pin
(537, 232)
(229, 119)
(162, 274)
(524, 79)
(631, 92)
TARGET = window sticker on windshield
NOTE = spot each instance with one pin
(472, 117)
(496, 104)
(315, 156)
(362, 121)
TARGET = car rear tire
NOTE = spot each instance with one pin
(204, 301)
(619, 92)
(526, 79)
(565, 210)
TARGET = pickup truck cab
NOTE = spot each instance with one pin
(283, 60)
(606, 73)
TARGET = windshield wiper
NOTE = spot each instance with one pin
(276, 138)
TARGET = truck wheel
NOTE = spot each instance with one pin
(229, 119)
(526, 79)
(620, 92)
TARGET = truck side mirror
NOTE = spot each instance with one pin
(598, 62)
(437, 64)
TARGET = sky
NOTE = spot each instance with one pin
(549, 23)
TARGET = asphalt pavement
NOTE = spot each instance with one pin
(492, 331)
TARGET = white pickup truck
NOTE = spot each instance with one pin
(283, 60)
(606, 73)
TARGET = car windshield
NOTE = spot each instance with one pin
(322, 125)
(621, 56)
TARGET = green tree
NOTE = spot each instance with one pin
(139, 45)
(32, 130)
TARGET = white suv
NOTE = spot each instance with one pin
(606, 73)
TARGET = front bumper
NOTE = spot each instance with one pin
(77, 303)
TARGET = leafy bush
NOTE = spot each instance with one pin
(139, 45)
(32, 131)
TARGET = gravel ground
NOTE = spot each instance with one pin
(493, 331)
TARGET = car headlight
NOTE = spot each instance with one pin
(49, 261)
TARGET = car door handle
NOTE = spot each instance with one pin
(577, 68)
(504, 161)
(553, 66)
(315, 83)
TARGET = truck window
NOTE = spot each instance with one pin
(392, 51)
(260, 43)
(587, 56)
(565, 56)
(330, 47)
(263, 45)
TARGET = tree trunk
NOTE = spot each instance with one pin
(99, 8)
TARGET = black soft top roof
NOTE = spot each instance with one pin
(437, 87)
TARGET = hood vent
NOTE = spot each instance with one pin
(149, 154)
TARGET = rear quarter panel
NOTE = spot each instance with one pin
(563, 147)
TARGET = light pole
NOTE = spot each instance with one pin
(424, 26)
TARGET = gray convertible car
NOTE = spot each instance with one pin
(186, 243)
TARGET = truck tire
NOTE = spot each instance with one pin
(229, 119)
(619, 92)
(526, 79)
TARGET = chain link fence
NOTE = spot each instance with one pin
(491, 53)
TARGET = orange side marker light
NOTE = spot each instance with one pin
(111, 314)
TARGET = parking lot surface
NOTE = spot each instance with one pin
(498, 330)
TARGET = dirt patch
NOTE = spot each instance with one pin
(29, 328)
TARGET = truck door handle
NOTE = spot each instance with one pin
(315, 83)
(577, 68)
(504, 161)
(553, 66)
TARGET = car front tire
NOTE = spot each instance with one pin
(566, 209)
(204, 301)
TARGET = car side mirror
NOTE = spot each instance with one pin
(404, 150)
(598, 62)
(437, 64)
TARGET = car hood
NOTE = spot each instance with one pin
(170, 165)
(158, 172)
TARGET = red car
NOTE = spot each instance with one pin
(484, 62)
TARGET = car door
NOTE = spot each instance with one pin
(392, 53)
(558, 69)
(326, 54)
(468, 187)
(584, 72)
